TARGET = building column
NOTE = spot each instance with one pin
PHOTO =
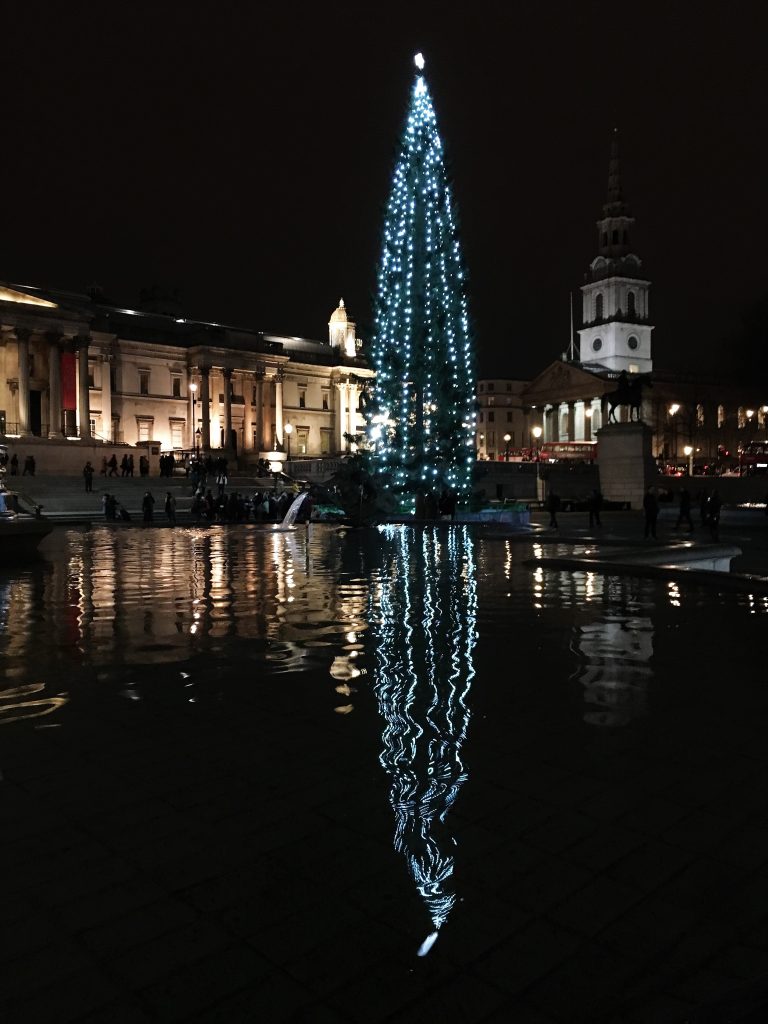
(22, 344)
(279, 407)
(353, 409)
(227, 377)
(260, 411)
(54, 386)
(571, 421)
(83, 397)
(247, 412)
(341, 415)
(106, 395)
(545, 427)
(205, 407)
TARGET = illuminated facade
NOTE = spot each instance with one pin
(73, 366)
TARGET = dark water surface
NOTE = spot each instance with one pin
(311, 757)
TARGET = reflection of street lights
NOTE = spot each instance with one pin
(507, 439)
(288, 428)
(193, 389)
(481, 439)
(688, 450)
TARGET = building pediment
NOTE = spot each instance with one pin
(23, 298)
(564, 382)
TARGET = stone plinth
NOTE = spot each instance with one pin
(625, 461)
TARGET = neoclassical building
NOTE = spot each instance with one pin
(77, 367)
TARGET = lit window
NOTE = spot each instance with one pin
(742, 414)
(302, 440)
(720, 415)
(144, 427)
(700, 414)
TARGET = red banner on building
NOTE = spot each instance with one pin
(68, 380)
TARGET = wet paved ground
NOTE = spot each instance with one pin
(225, 803)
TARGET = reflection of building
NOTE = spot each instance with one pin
(427, 609)
(76, 365)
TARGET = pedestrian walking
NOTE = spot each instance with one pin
(112, 463)
(684, 514)
(595, 504)
(147, 506)
(713, 514)
(553, 507)
(88, 477)
(170, 508)
(651, 509)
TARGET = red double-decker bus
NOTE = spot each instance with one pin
(557, 451)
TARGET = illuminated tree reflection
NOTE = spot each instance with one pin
(426, 631)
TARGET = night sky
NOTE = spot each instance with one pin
(241, 153)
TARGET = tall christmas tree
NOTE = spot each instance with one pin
(422, 411)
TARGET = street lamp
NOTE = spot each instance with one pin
(673, 410)
(507, 439)
(536, 435)
(288, 428)
(276, 458)
(193, 390)
(688, 451)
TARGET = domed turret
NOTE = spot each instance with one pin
(341, 330)
(339, 315)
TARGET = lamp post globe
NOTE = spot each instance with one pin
(507, 439)
(288, 428)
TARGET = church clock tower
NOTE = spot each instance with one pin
(616, 334)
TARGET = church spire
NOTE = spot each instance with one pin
(613, 228)
(615, 207)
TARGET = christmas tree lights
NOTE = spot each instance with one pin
(422, 414)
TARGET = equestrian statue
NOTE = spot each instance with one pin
(629, 392)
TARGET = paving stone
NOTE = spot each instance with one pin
(595, 905)
(464, 998)
(551, 882)
(526, 957)
(193, 989)
(22, 975)
(69, 1000)
(561, 832)
(662, 1009)
(141, 965)
(92, 909)
(138, 926)
(650, 865)
(654, 817)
